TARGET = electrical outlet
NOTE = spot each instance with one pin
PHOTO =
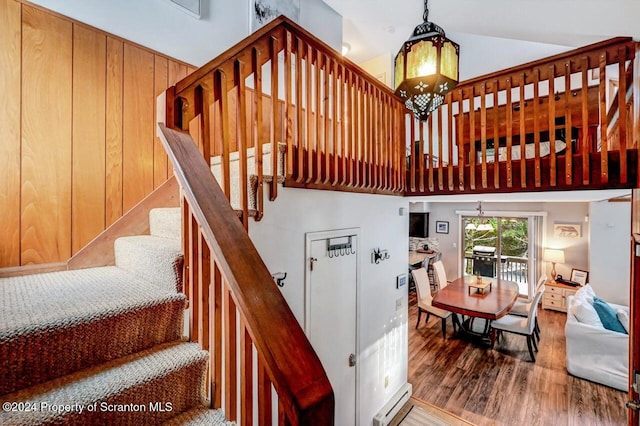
(386, 381)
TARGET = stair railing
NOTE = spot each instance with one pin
(236, 308)
(473, 143)
(342, 128)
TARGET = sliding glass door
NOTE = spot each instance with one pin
(498, 246)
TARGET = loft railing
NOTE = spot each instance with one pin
(544, 125)
(342, 128)
(236, 309)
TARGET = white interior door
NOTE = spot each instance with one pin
(331, 314)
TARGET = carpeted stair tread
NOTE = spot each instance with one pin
(155, 259)
(200, 417)
(146, 388)
(165, 222)
(57, 323)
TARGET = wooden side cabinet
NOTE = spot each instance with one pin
(555, 296)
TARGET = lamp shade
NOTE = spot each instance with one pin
(426, 68)
(553, 255)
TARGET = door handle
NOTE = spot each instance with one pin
(352, 360)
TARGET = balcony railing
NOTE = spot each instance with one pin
(552, 124)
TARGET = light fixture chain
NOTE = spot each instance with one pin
(425, 15)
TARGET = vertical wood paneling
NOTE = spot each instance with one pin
(138, 128)
(62, 131)
(113, 163)
(88, 153)
(160, 84)
(10, 66)
(46, 137)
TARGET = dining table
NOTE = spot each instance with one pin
(470, 300)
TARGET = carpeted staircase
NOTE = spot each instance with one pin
(104, 346)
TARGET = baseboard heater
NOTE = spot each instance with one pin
(391, 408)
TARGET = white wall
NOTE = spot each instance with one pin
(382, 330)
(576, 250)
(158, 25)
(609, 262)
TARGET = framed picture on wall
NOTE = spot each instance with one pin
(579, 276)
(442, 227)
(262, 12)
(566, 230)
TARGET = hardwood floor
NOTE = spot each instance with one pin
(501, 386)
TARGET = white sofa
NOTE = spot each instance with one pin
(595, 353)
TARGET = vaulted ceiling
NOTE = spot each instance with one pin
(536, 28)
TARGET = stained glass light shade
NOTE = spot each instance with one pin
(426, 69)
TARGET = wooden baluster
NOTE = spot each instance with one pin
(496, 138)
(584, 143)
(186, 247)
(430, 137)
(282, 416)
(352, 124)
(334, 124)
(344, 122)
(622, 113)
(360, 163)
(370, 137)
(461, 141)
(604, 125)
(483, 132)
(509, 124)
(288, 107)
(300, 145)
(327, 121)
(321, 119)
(246, 375)
(413, 152)
(311, 143)
(440, 152)
(275, 120)
(375, 136)
(523, 150)
(264, 395)
(536, 127)
(257, 133)
(215, 364)
(401, 132)
(241, 134)
(567, 125)
(194, 279)
(389, 157)
(552, 126)
(635, 108)
(204, 281)
(205, 111)
(421, 154)
(222, 95)
(450, 141)
(472, 140)
(231, 361)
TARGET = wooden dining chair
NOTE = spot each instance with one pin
(524, 326)
(441, 275)
(521, 308)
(423, 291)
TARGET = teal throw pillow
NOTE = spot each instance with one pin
(608, 316)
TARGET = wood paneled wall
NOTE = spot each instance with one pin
(77, 143)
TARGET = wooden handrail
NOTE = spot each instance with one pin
(311, 101)
(304, 392)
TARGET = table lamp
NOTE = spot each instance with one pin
(554, 256)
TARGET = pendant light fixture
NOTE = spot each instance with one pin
(426, 68)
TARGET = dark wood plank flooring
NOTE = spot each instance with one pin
(502, 386)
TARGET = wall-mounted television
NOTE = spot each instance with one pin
(419, 225)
